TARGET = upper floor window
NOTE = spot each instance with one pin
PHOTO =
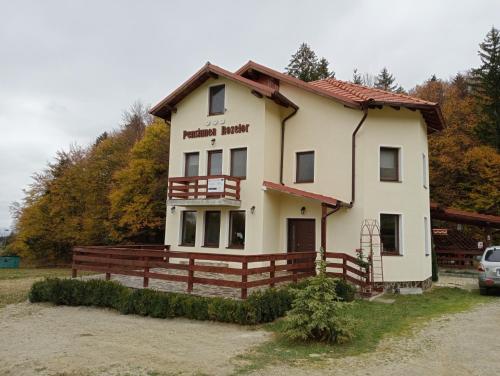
(191, 164)
(305, 167)
(214, 162)
(216, 100)
(389, 164)
(239, 163)
(390, 233)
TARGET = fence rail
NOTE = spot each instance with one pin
(344, 266)
(197, 187)
(457, 258)
(139, 260)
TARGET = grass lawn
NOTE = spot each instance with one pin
(15, 283)
(374, 321)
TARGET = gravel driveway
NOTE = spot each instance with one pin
(37, 339)
(463, 344)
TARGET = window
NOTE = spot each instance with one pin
(390, 233)
(236, 229)
(424, 170)
(191, 164)
(216, 101)
(214, 162)
(305, 167)
(427, 237)
(389, 164)
(492, 255)
(239, 163)
(188, 228)
(212, 228)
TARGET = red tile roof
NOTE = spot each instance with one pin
(356, 96)
(300, 193)
(165, 107)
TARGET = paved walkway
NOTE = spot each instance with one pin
(181, 287)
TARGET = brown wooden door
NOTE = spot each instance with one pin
(301, 235)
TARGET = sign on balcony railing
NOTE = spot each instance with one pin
(215, 185)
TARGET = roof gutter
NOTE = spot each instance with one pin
(283, 122)
(353, 155)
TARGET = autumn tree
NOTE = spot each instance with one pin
(70, 202)
(306, 66)
(464, 173)
(138, 200)
(487, 89)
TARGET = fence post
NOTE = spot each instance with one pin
(145, 282)
(294, 271)
(271, 273)
(344, 269)
(108, 275)
(190, 274)
(244, 276)
(73, 272)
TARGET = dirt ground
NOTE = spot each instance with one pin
(37, 339)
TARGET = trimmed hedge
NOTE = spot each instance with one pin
(260, 307)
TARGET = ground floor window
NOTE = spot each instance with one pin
(237, 229)
(212, 228)
(427, 237)
(390, 228)
(188, 228)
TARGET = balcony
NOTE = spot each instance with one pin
(214, 190)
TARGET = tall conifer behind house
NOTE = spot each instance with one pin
(306, 66)
(487, 89)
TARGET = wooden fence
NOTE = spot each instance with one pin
(155, 262)
(457, 258)
(344, 266)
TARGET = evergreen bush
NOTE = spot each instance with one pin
(317, 312)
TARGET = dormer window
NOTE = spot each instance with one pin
(216, 100)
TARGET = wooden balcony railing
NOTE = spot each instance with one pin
(204, 187)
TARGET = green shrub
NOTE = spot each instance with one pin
(344, 290)
(317, 313)
(260, 307)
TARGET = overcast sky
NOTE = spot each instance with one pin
(68, 69)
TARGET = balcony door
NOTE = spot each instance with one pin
(214, 162)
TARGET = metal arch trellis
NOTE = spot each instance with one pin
(371, 246)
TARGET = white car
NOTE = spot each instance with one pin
(489, 269)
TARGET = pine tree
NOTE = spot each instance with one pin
(385, 81)
(305, 65)
(486, 88)
(356, 77)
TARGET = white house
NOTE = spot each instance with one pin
(261, 162)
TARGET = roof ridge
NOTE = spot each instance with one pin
(386, 92)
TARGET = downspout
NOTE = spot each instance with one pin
(295, 109)
(353, 156)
